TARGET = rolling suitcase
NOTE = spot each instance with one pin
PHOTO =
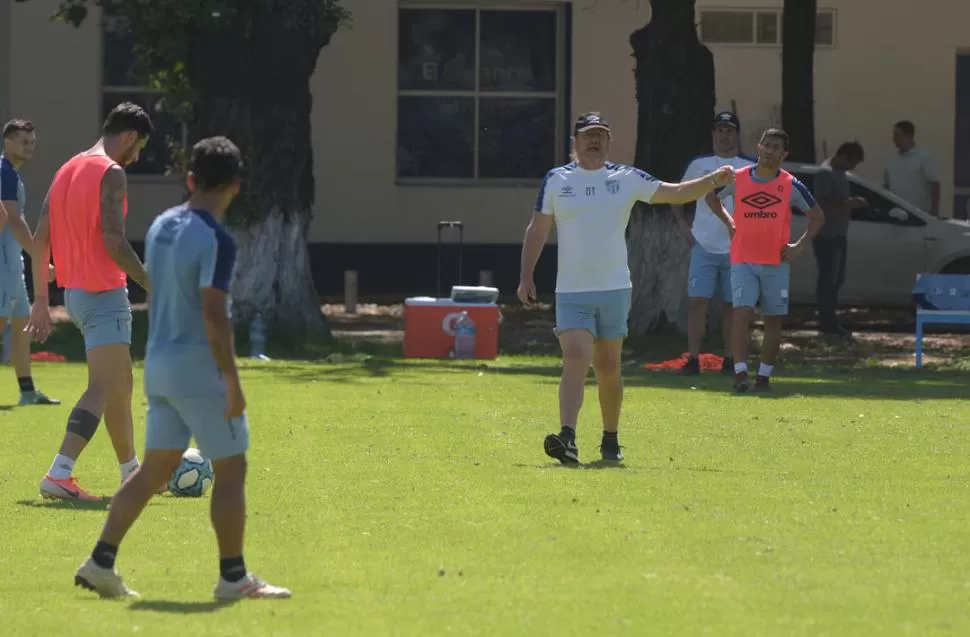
(450, 225)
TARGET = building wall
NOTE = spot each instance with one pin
(899, 64)
(875, 75)
(368, 196)
(55, 80)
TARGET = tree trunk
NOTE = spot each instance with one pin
(675, 106)
(261, 99)
(798, 77)
(277, 280)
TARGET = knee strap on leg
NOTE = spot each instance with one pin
(83, 423)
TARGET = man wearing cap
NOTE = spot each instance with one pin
(590, 200)
(710, 260)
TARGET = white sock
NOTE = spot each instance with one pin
(740, 367)
(765, 370)
(128, 468)
(61, 468)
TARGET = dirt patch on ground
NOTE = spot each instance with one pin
(880, 337)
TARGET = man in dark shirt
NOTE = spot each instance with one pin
(830, 246)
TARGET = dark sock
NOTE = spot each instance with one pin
(104, 555)
(26, 384)
(232, 569)
(609, 435)
(568, 432)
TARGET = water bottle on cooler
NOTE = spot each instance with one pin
(464, 337)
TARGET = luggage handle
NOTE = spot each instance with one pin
(443, 225)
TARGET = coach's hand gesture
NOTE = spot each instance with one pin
(723, 176)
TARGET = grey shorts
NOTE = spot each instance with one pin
(104, 318)
(708, 272)
(755, 284)
(602, 314)
(13, 297)
(173, 421)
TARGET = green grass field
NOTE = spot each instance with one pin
(404, 498)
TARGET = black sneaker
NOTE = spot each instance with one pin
(691, 368)
(562, 448)
(727, 367)
(762, 384)
(610, 449)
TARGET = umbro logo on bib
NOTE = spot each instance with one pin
(612, 186)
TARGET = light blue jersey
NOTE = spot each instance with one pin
(186, 251)
(11, 189)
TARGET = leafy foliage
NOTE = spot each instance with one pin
(234, 67)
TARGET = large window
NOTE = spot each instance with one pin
(123, 81)
(479, 92)
(757, 26)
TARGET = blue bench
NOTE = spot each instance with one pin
(940, 298)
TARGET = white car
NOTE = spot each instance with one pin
(889, 243)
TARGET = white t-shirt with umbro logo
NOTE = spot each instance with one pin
(709, 231)
(591, 209)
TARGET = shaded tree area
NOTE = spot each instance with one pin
(242, 68)
(798, 77)
(675, 104)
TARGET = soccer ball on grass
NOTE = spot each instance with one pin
(193, 476)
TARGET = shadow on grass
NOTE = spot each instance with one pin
(812, 365)
(180, 608)
(863, 382)
(73, 505)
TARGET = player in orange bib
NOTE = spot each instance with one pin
(83, 223)
(764, 196)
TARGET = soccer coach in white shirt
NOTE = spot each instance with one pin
(590, 200)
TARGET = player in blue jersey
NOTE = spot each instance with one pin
(191, 380)
(19, 140)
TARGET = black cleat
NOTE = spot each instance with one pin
(561, 448)
(610, 449)
(762, 384)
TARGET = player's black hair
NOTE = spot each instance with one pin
(15, 126)
(125, 117)
(216, 163)
(906, 127)
(851, 151)
(777, 133)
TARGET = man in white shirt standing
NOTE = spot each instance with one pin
(912, 172)
(710, 241)
(590, 200)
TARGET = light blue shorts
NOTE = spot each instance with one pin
(755, 284)
(13, 297)
(602, 314)
(173, 422)
(104, 318)
(708, 272)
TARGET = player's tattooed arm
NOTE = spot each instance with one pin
(114, 187)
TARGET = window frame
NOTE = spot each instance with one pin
(133, 89)
(754, 11)
(558, 96)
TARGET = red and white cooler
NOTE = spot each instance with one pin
(429, 323)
